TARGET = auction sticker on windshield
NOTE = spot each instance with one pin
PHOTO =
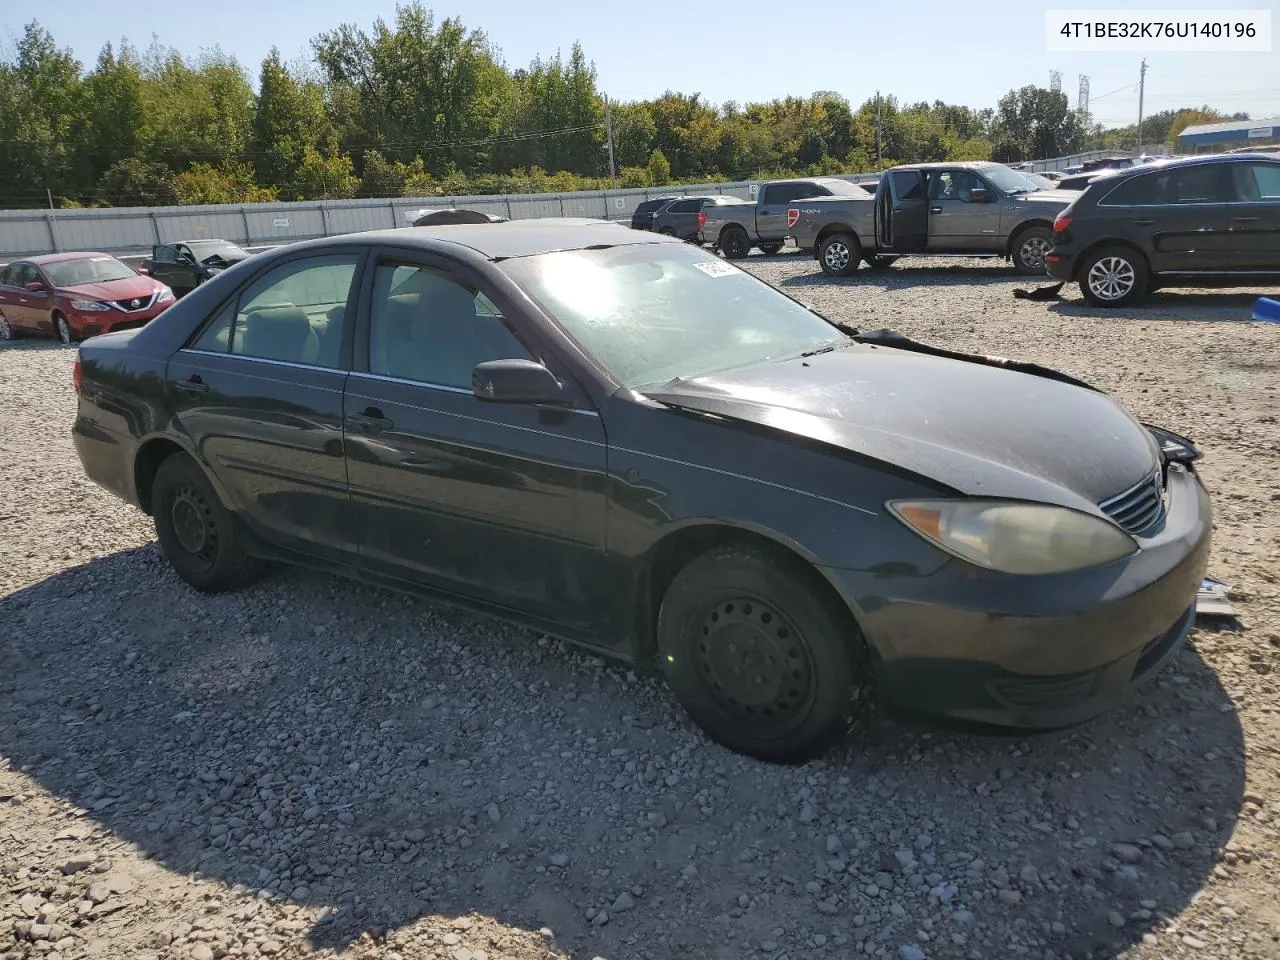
(716, 268)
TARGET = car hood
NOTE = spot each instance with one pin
(1047, 197)
(978, 430)
(218, 260)
(124, 288)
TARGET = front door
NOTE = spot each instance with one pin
(259, 394)
(964, 213)
(771, 213)
(1254, 228)
(902, 212)
(500, 502)
(165, 268)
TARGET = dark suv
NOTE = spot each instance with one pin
(642, 215)
(1197, 220)
(683, 217)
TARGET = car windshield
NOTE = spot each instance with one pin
(1009, 181)
(206, 249)
(843, 188)
(71, 273)
(652, 313)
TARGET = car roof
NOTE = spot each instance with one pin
(502, 241)
(952, 165)
(60, 257)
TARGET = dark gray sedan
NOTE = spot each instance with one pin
(626, 441)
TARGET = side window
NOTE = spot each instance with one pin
(296, 312)
(1198, 184)
(1256, 182)
(426, 327)
(939, 184)
(1134, 192)
(217, 335)
(166, 254)
(27, 273)
(686, 206)
(780, 193)
(907, 185)
(805, 191)
(9, 275)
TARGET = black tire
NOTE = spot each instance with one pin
(62, 329)
(770, 249)
(839, 254)
(880, 261)
(1114, 277)
(6, 331)
(1028, 249)
(736, 609)
(197, 533)
(734, 243)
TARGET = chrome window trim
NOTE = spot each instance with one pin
(446, 388)
(277, 363)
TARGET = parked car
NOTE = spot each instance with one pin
(1213, 219)
(630, 442)
(435, 218)
(684, 218)
(76, 295)
(188, 263)
(735, 229)
(948, 209)
(642, 215)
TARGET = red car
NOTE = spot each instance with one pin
(76, 295)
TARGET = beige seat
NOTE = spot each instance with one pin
(277, 333)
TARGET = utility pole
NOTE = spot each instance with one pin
(879, 155)
(1142, 89)
(608, 137)
(57, 247)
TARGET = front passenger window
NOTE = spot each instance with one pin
(296, 312)
(431, 329)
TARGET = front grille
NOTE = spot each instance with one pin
(1140, 508)
(129, 325)
(1045, 693)
(134, 304)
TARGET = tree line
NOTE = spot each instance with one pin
(420, 108)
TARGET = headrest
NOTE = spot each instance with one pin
(276, 333)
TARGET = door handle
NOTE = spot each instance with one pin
(1143, 223)
(371, 421)
(935, 209)
(193, 384)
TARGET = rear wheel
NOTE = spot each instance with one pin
(880, 261)
(769, 249)
(6, 332)
(839, 254)
(763, 663)
(734, 243)
(1114, 277)
(197, 533)
(62, 328)
(1029, 248)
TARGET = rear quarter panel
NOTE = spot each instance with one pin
(720, 216)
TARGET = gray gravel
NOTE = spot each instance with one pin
(312, 766)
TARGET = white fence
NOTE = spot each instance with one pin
(125, 230)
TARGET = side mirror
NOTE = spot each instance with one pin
(35, 286)
(516, 381)
(980, 195)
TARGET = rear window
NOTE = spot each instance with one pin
(1133, 192)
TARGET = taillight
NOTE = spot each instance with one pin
(1061, 223)
(702, 219)
(76, 375)
(792, 216)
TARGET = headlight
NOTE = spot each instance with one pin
(1015, 537)
(166, 294)
(89, 306)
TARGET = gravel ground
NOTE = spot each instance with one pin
(315, 767)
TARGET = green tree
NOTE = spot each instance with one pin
(115, 126)
(324, 176)
(135, 182)
(288, 118)
(659, 168)
(1035, 122)
(205, 183)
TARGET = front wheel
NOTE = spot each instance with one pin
(1029, 248)
(1114, 277)
(839, 254)
(734, 243)
(769, 249)
(763, 663)
(196, 532)
(62, 328)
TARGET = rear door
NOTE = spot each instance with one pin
(12, 297)
(1191, 220)
(33, 309)
(682, 218)
(1254, 227)
(501, 502)
(902, 212)
(258, 391)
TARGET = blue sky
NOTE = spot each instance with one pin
(967, 53)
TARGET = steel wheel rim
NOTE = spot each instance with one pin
(836, 256)
(4, 328)
(1033, 251)
(1112, 278)
(192, 520)
(754, 661)
(64, 330)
